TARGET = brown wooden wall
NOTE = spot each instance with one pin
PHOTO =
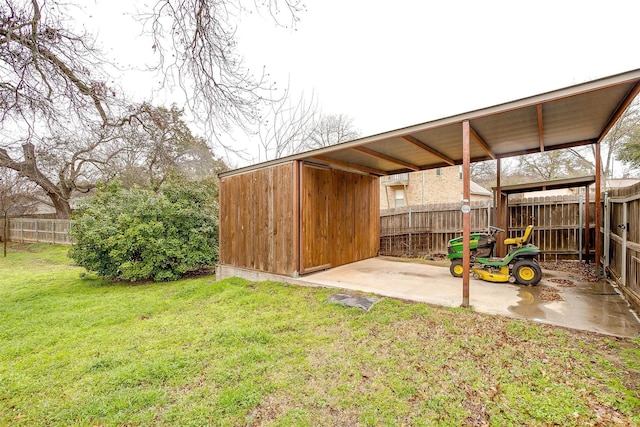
(298, 217)
(257, 220)
(340, 217)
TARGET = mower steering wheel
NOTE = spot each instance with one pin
(495, 229)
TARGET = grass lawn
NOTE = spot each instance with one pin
(78, 350)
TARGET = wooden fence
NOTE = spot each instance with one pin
(622, 240)
(559, 223)
(559, 226)
(421, 230)
(38, 230)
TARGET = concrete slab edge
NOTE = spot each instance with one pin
(226, 271)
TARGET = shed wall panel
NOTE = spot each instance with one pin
(256, 220)
(340, 217)
(314, 228)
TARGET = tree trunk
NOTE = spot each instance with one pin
(63, 208)
(29, 169)
(5, 235)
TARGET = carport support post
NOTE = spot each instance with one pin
(607, 229)
(598, 216)
(587, 225)
(496, 193)
(501, 211)
(466, 220)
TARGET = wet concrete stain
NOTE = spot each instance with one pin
(594, 305)
(561, 298)
(530, 306)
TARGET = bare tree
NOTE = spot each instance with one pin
(484, 173)
(286, 127)
(331, 129)
(16, 198)
(66, 163)
(48, 67)
(145, 150)
(50, 73)
(290, 128)
(616, 145)
(54, 81)
(554, 165)
(158, 143)
(196, 46)
(625, 136)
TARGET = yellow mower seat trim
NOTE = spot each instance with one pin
(519, 241)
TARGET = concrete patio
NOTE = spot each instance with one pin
(560, 299)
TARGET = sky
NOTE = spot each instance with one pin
(389, 65)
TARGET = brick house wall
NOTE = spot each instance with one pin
(442, 185)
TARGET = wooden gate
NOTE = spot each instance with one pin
(622, 240)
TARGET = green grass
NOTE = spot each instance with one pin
(78, 350)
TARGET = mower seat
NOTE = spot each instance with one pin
(519, 241)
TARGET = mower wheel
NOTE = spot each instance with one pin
(456, 268)
(527, 272)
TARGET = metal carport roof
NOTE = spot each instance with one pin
(577, 115)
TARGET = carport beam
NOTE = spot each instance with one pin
(466, 220)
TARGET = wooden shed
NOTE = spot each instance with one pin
(297, 217)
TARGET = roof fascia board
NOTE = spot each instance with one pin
(240, 171)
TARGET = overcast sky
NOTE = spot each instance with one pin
(390, 64)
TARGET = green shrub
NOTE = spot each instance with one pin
(136, 234)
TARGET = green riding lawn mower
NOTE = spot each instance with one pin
(519, 266)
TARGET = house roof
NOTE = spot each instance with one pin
(478, 189)
(577, 115)
(621, 182)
